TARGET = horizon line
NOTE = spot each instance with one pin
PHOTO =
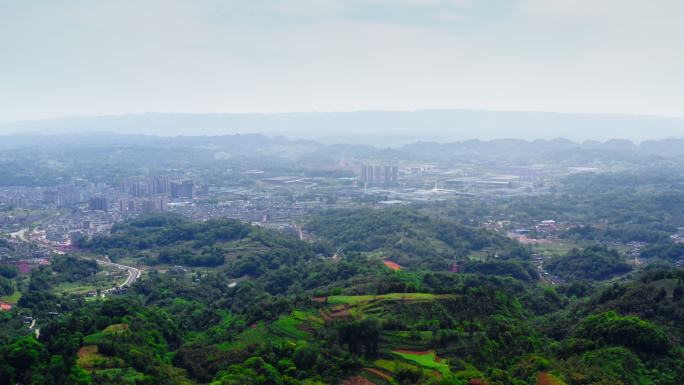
(127, 114)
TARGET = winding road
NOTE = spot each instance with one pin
(133, 273)
(33, 327)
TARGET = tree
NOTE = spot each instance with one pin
(678, 292)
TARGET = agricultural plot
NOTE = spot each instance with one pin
(253, 335)
(359, 299)
(11, 299)
(377, 376)
(101, 337)
(116, 328)
(392, 265)
(386, 368)
(412, 340)
(545, 378)
(425, 359)
(299, 325)
(556, 247)
(89, 358)
(392, 366)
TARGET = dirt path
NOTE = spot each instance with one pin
(36, 331)
(379, 373)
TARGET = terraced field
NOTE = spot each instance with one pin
(411, 350)
(426, 359)
(298, 325)
(360, 299)
(384, 369)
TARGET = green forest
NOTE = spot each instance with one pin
(223, 302)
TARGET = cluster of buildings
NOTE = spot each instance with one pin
(146, 186)
(158, 185)
(387, 175)
(98, 203)
(256, 210)
(143, 205)
(547, 227)
(79, 224)
(62, 196)
(93, 207)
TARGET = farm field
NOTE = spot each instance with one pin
(555, 247)
(357, 299)
(89, 355)
(298, 326)
(392, 265)
(12, 299)
(545, 378)
(426, 359)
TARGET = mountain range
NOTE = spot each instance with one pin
(379, 128)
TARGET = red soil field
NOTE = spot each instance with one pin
(544, 378)
(392, 265)
(416, 352)
(357, 380)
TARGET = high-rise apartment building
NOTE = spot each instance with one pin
(377, 175)
(387, 175)
(394, 180)
(98, 203)
(188, 188)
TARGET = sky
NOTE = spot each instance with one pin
(61, 58)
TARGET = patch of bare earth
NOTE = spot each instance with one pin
(544, 378)
(392, 265)
(356, 380)
(416, 352)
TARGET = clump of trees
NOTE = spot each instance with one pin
(590, 263)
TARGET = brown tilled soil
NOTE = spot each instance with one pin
(356, 380)
(392, 265)
(416, 352)
(544, 378)
(325, 315)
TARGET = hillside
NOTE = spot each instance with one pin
(271, 309)
(596, 262)
(414, 240)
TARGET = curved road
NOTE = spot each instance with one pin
(133, 273)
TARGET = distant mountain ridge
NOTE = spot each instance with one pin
(380, 128)
(259, 145)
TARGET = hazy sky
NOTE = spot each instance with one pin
(89, 57)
